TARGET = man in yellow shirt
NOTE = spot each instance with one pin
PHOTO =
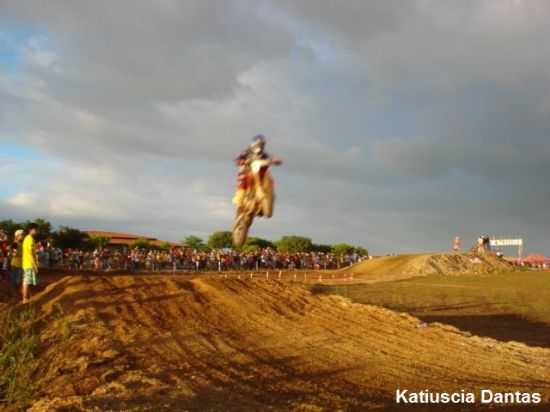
(16, 262)
(30, 262)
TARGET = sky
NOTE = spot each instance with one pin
(401, 124)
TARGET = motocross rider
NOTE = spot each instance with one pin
(255, 151)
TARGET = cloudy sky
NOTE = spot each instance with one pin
(401, 123)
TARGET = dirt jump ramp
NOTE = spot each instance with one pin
(390, 268)
(168, 344)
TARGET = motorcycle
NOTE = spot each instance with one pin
(258, 201)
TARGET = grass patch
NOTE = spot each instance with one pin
(523, 293)
(505, 306)
(18, 348)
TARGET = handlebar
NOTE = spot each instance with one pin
(256, 165)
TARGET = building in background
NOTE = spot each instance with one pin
(126, 240)
(537, 260)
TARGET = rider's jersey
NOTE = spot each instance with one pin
(248, 156)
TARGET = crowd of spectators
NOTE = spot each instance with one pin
(178, 259)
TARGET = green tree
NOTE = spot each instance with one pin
(322, 248)
(141, 243)
(98, 241)
(44, 228)
(294, 244)
(254, 244)
(342, 249)
(165, 246)
(220, 240)
(249, 248)
(259, 243)
(361, 251)
(69, 238)
(194, 242)
(9, 227)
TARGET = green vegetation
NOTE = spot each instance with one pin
(294, 244)
(98, 241)
(322, 248)
(71, 238)
(345, 249)
(361, 251)
(194, 242)
(10, 226)
(255, 243)
(18, 364)
(523, 293)
(64, 238)
(165, 246)
(141, 243)
(67, 237)
(342, 249)
(220, 240)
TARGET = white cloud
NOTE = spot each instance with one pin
(22, 199)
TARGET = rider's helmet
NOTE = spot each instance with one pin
(258, 143)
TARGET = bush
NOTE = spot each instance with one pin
(69, 238)
(18, 364)
(346, 249)
(98, 241)
(258, 243)
(194, 242)
(361, 251)
(342, 249)
(142, 243)
(220, 240)
(322, 248)
(294, 244)
(165, 246)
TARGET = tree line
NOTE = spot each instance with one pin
(287, 244)
(70, 238)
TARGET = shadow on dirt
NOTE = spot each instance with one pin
(500, 327)
(217, 385)
(491, 319)
(227, 401)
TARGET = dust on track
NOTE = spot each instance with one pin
(175, 343)
(391, 268)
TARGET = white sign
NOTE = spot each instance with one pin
(506, 242)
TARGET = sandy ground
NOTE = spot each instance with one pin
(400, 267)
(209, 342)
(173, 343)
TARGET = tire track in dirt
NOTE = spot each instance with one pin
(170, 343)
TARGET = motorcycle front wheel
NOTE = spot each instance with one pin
(240, 230)
(268, 200)
(267, 206)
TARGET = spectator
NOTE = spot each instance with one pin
(29, 262)
(16, 263)
(3, 254)
(194, 260)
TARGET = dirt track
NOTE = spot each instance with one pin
(399, 267)
(167, 343)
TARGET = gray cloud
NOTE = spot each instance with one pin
(402, 124)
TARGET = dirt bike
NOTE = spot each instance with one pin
(259, 199)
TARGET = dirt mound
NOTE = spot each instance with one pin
(166, 343)
(405, 266)
(7, 295)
